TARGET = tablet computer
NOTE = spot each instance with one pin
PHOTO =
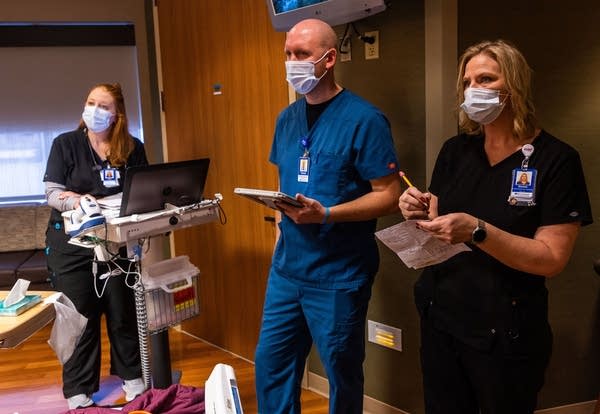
(268, 198)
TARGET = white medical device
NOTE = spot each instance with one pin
(87, 215)
(221, 394)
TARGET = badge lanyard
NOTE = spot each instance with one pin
(304, 160)
(109, 176)
(522, 188)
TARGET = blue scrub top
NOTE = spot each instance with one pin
(350, 144)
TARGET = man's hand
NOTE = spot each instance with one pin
(311, 211)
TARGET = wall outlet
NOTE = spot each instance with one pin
(372, 49)
(385, 335)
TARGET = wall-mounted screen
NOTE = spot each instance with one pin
(286, 13)
(282, 6)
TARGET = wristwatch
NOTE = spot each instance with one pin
(479, 234)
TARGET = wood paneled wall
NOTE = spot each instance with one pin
(230, 45)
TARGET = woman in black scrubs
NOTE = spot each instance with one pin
(485, 336)
(92, 160)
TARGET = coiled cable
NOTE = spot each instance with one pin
(142, 325)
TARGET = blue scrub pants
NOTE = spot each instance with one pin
(294, 316)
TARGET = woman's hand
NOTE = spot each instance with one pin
(68, 194)
(451, 228)
(414, 204)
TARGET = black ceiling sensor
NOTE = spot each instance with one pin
(47, 35)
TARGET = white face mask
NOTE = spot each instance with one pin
(96, 119)
(482, 105)
(301, 74)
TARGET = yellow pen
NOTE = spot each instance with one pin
(405, 178)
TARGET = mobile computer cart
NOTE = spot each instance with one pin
(169, 299)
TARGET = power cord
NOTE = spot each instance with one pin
(113, 268)
(345, 41)
(222, 215)
(367, 39)
(344, 46)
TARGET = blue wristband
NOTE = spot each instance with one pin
(326, 216)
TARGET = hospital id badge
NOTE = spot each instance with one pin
(303, 167)
(110, 177)
(522, 191)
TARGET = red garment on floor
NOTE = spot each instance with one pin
(176, 399)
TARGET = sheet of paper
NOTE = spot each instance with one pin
(415, 247)
(112, 202)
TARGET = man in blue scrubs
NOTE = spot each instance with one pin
(335, 152)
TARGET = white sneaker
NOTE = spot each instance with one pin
(79, 401)
(133, 388)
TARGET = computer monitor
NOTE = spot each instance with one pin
(148, 188)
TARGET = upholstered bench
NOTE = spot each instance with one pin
(22, 245)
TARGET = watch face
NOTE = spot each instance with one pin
(479, 235)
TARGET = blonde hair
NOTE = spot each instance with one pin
(121, 142)
(517, 76)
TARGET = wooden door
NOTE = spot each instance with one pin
(224, 84)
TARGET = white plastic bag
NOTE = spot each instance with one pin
(68, 327)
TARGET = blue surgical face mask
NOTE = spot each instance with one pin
(482, 105)
(96, 119)
(301, 74)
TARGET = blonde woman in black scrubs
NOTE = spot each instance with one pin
(485, 337)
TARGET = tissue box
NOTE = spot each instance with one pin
(171, 292)
(21, 306)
